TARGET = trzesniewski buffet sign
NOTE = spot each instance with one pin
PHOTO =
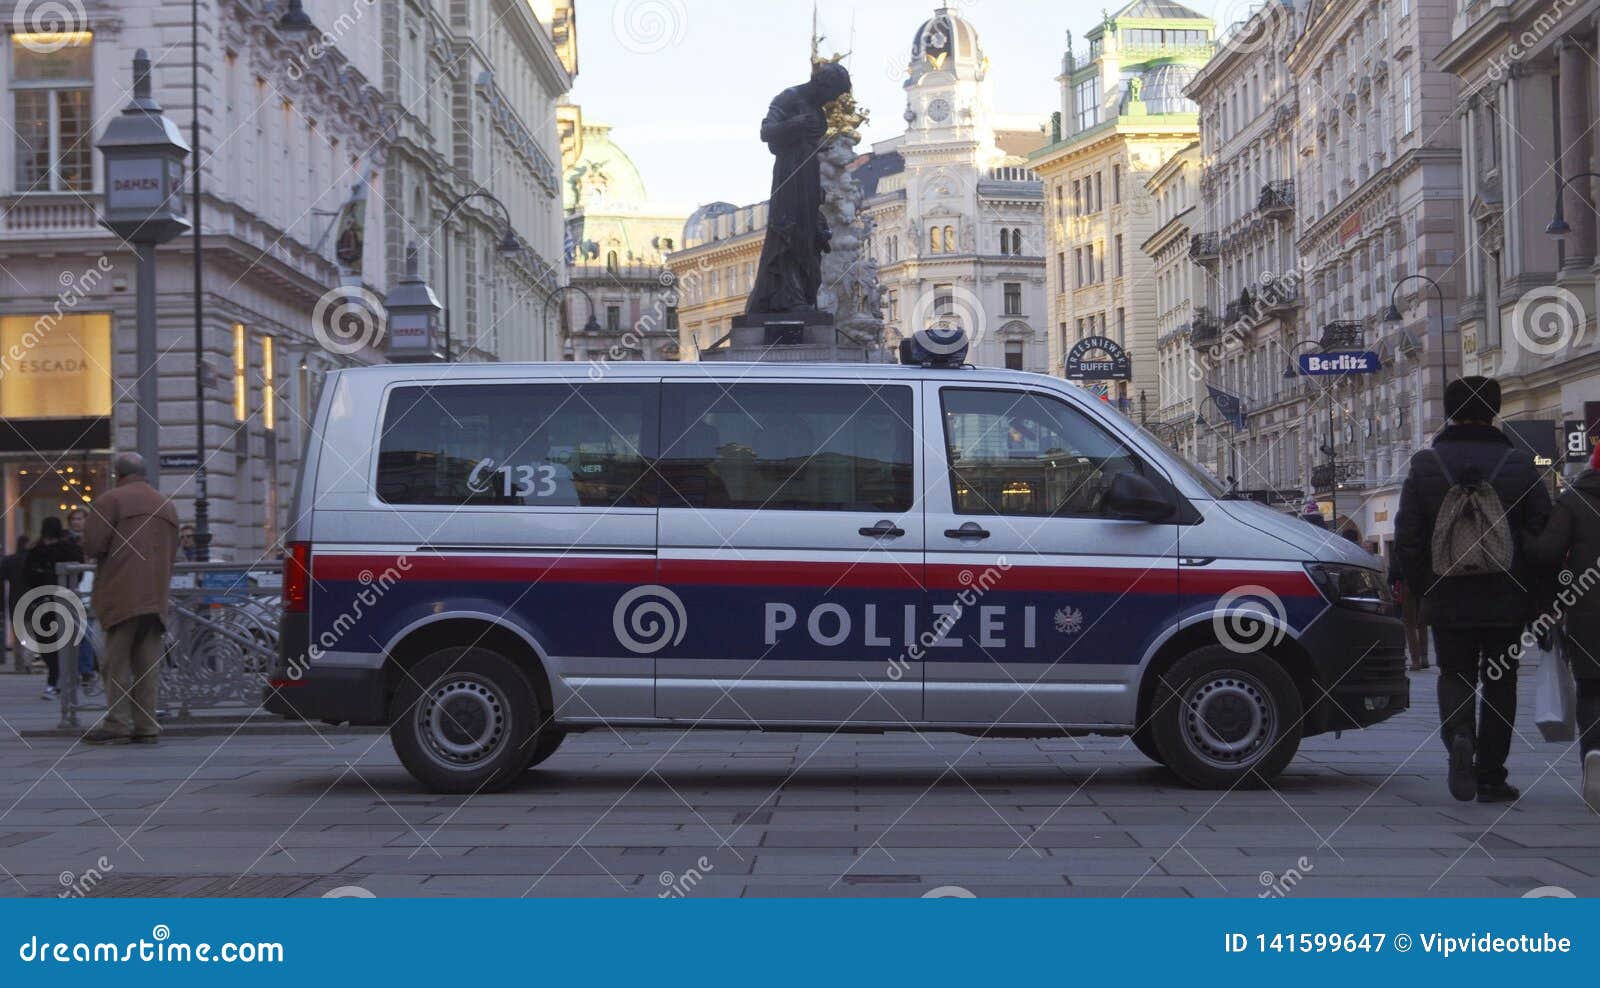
(1097, 358)
(1353, 362)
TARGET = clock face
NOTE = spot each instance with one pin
(939, 110)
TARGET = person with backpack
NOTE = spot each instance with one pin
(1464, 504)
(1571, 541)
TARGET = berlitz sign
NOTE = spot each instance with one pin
(1355, 362)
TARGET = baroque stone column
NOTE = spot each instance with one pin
(1578, 197)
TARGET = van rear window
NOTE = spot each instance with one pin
(796, 447)
(530, 445)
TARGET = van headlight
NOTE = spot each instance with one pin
(1352, 586)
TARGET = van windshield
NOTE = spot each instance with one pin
(1208, 481)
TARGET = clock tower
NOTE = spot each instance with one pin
(947, 89)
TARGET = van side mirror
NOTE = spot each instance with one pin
(1134, 498)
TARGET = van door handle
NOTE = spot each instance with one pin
(970, 530)
(883, 529)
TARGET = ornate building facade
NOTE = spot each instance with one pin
(1378, 202)
(1525, 119)
(619, 302)
(957, 214)
(1123, 114)
(1174, 190)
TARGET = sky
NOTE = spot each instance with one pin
(685, 83)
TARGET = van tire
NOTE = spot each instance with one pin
(1225, 719)
(1145, 741)
(545, 745)
(463, 720)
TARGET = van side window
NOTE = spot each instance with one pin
(793, 447)
(530, 445)
(1024, 453)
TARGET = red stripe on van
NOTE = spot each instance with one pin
(783, 573)
(470, 566)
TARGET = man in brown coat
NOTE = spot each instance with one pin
(132, 537)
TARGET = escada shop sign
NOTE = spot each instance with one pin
(1354, 362)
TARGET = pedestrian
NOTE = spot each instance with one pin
(1571, 541)
(41, 621)
(11, 590)
(186, 543)
(77, 518)
(1411, 617)
(1313, 514)
(1464, 501)
(132, 536)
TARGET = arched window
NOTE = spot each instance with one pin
(949, 240)
(611, 261)
(1005, 241)
(936, 240)
(1016, 240)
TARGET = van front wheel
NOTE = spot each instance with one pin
(463, 720)
(1226, 719)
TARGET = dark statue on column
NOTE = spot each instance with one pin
(795, 130)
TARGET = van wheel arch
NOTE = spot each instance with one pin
(1287, 653)
(453, 632)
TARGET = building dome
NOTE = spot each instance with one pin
(1164, 85)
(697, 229)
(603, 178)
(947, 42)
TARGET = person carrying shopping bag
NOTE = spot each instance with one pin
(1571, 539)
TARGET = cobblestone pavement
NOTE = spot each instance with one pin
(734, 813)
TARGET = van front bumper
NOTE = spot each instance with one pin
(1360, 664)
(304, 690)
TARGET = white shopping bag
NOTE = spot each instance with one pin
(1555, 695)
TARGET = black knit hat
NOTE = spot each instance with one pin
(1472, 399)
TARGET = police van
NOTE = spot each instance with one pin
(488, 557)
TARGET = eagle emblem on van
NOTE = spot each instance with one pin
(1069, 620)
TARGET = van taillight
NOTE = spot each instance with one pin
(297, 577)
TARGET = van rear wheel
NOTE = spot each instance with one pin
(1224, 719)
(463, 721)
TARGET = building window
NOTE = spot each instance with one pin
(1118, 261)
(269, 387)
(241, 366)
(611, 261)
(944, 300)
(949, 240)
(1094, 276)
(1014, 355)
(1116, 183)
(1016, 240)
(1099, 193)
(1406, 123)
(1005, 241)
(614, 318)
(672, 318)
(1088, 102)
(1013, 298)
(50, 103)
(936, 240)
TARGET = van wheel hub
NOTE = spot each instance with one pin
(462, 719)
(1228, 719)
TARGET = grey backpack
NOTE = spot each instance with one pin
(1472, 536)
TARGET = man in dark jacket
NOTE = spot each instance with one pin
(11, 591)
(1475, 619)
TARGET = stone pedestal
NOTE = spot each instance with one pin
(790, 337)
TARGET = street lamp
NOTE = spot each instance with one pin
(413, 317)
(1290, 370)
(1393, 317)
(592, 325)
(509, 244)
(1558, 224)
(1233, 447)
(144, 154)
(295, 20)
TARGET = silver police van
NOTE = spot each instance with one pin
(488, 557)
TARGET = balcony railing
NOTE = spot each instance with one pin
(1204, 331)
(1277, 299)
(1277, 199)
(1344, 335)
(1204, 247)
(1234, 312)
